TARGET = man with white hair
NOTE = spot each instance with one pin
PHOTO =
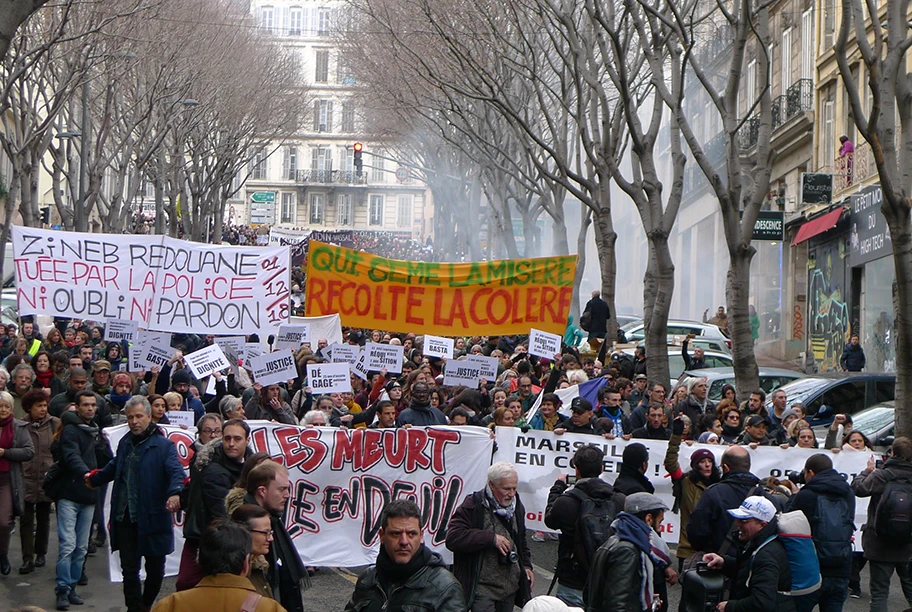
(491, 556)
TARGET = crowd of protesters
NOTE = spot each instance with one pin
(66, 386)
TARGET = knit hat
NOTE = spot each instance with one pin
(635, 455)
(787, 414)
(699, 455)
(181, 376)
(122, 377)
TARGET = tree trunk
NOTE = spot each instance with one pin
(9, 207)
(585, 222)
(737, 293)
(898, 219)
(606, 239)
(657, 293)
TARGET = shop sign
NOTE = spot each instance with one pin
(869, 236)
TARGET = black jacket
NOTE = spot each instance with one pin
(871, 483)
(630, 481)
(710, 521)
(853, 358)
(78, 455)
(212, 475)
(562, 514)
(598, 308)
(593, 427)
(468, 539)
(689, 362)
(421, 415)
(648, 433)
(432, 588)
(615, 578)
(769, 573)
(694, 410)
(827, 483)
(59, 403)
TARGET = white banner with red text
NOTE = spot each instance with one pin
(541, 456)
(341, 480)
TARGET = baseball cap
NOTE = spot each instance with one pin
(580, 405)
(756, 507)
(102, 365)
(640, 377)
(643, 502)
(756, 420)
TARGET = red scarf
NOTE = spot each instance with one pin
(6, 440)
(44, 377)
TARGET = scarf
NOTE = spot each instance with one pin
(119, 400)
(491, 502)
(138, 439)
(7, 428)
(44, 377)
(551, 422)
(390, 572)
(654, 552)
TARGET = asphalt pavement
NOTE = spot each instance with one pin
(331, 590)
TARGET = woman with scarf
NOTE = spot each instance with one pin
(487, 534)
(41, 429)
(44, 374)
(15, 449)
(636, 559)
(688, 487)
(731, 424)
(121, 390)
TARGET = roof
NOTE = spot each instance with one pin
(725, 372)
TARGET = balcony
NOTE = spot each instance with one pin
(854, 168)
(330, 177)
(798, 99)
(749, 133)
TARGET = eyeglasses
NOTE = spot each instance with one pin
(211, 432)
(733, 416)
(266, 532)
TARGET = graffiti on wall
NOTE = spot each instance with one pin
(828, 311)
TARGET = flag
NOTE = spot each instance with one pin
(587, 390)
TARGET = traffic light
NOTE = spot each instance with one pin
(359, 162)
(45, 215)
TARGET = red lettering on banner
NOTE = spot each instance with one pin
(315, 289)
(149, 282)
(396, 291)
(415, 456)
(378, 304)
(345, 449)
(184, 444)
(414, 301)
(395, 445)
(258, 441)
(490, 309)
(373, 450)
(531, 315)
(473, 306)
(439, 439)
(301, 448)
(238, 289)
(438, 303)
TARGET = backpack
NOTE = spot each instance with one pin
(593, 526)
(585, 320)
(795, 535)
(833, 532)
(893, 517)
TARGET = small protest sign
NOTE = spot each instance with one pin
(235, 342)
(461, 372)
(488, 366)
(359, 368)
(252, 350)
(206, 361)
(274, 368)
(292, 336)
(543, 344)
(435, 346)
(181, 417)
(344, 353)
(381, 356)
(329, 377)
(118, 329)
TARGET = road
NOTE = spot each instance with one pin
(331, 587)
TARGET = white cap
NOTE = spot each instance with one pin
(757, 507)
(546, 603)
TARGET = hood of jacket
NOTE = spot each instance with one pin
(595, 488)
(740, 477)
(70, 417)
(235, 497)
(829, 482)
(205, 453)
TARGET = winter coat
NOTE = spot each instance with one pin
(598, 325)
(694, 410)
(431, 589)
(691, 490)
(690, 363)
(59, 403)
(829, 484)
(871, 483)
(254, 410)
(421, 415)
(710, 521)
(259, 566)
(562, 514)
(631, 481)
(219, 593)
(768, 571)
(159, 476)
(18, 454)
(621, 560)
(593, 427)
(78, 456)
(468, 539)
(211, 478)
(34, 470)
(853, 358)
(648, 433)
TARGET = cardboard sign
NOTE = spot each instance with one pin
(206, 361)
(359, 368)
(544, 344)
(235, 342)
(329, 377)
(435, 346)
(157, 351)
(292, 336)
(344, 353)
(181, 417)
(252, 350)
(461, 372)
(118, 329)
(381, 356)
(488, 366)
(274, 368)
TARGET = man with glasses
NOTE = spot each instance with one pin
(268, 486)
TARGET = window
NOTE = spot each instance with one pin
(322, 65)
(296, 22)
(751, 84)
(377, 175)
(404, 212)
(267, 18)
(288, 206)
(786, 53)
(324, 15)
(829, 25)
(320, 164)
(290, 163)
(376, 210)
(807, 44)
(348, 159)
(344, 209)
(828, 134)
(348, 117)
(323, 115)
(316, 208)
(258, 165)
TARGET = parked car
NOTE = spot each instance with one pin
(708, 336)
(626, 319)
(877, 423)
(832, 393)
(770, 379)
(714, 359)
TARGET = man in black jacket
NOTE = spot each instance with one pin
(828, 502)
(598, 324)
(634, 465)
(219, 463)
(697, 362)
(491, 556)
(654, 428)
(407, 575)
(759, 568)
(581, 419)
(563, 512)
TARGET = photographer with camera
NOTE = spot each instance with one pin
(491, 556)
(828, 502)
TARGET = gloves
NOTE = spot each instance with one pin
(677, 427)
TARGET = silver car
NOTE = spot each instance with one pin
(707, 335)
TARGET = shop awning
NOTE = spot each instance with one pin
(817, 226)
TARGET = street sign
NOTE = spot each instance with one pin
(402, 174)
(816, 188)
(770, 225)
(263, 197)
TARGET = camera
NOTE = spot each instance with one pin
(879, 464)
(509, 559)
(571, 479)
(795, 476)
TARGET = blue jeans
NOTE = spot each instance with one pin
(833, 594)
(571, 597)
(74, 522)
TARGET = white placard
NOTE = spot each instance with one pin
(274, 368)
(488, 366)
(543, 344)
(329, 377)
(252, 350)
(292, 336)
(359, 368)
(206, 361)
(379, 356)
(344, 353)
(181, 417)
(235, 342)
(461, 372)
(210, 386)
(118, 329)
(435, 346)
(157, 351)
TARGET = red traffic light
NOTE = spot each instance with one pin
(358, 147)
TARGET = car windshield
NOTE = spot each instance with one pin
(631, 325)
(799, 390)
(873, 420)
